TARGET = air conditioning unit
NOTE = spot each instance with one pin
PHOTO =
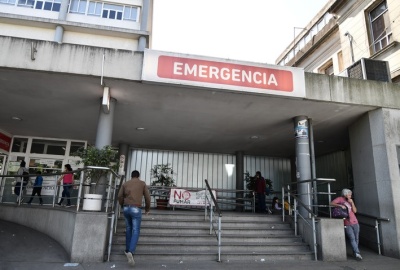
(369, 69)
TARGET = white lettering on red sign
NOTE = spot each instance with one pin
(224, 73)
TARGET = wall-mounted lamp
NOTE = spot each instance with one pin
(229, 169)
(105, 103)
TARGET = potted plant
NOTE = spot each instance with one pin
(163, 174)
(97, 179)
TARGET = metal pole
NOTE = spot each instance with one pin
(109, 191)
(111, 236)
(330, 199)
(314, 239)
(377, 236)
(80, 190)
(295, 217)
(219, 238)
(313, 169)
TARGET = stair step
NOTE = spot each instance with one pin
(185, 236)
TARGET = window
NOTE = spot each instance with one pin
(112, 12)
(26, 3)
(78, 6)
(19, 145)
(107, 11)
(327, 68)
(11, 2)
(95, 8)
(381, 34)
(340, 61)
(75, 146)
(50, 147)
(51, 5)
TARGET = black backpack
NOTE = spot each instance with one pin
(25, 177)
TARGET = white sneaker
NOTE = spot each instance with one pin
(129, 255)
(358, 257)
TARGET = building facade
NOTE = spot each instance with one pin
(79, 72)
(345, 32)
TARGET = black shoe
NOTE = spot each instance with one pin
(58, 204)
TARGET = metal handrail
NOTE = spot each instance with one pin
(114, 217)
(376, 227)
(296, 212)
(215, 203)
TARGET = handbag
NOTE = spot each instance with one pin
(339, 212)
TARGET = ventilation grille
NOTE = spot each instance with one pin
(369, 69)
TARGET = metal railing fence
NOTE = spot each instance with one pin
(214, 209)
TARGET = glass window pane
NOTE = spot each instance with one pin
(37, 148)
(378, 11)
(112, 14)
(92, 7)
(47, 5)
(50, 147)
(74, 6)
(98, 9)
(19, 145)
(39, 5)
(134, 13)
(56, 7)
(105, 14)
(127, 13)
(82, 7)
(119, 15)
(75, 147)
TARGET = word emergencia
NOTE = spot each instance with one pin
(224, 73)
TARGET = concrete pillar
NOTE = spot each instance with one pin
(62, 14)
(303, 163)
(59, 34)
(143, 25)
(105, 126)
(145, 15)
(239, 178)
(142, 43)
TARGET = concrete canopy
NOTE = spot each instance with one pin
(174, 117)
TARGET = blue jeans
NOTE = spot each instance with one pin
(133, 218)
(66, 193)
(352, 232)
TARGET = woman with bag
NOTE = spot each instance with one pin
(352, 228)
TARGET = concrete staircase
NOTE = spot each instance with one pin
(183, 235)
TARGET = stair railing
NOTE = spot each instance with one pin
(297, 214)
(114, 216)
(376, 227)
(213, 207)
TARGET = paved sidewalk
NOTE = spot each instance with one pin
(22, 248)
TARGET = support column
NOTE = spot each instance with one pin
(105, 125)
(58, 35)
(62, 16)
(303, 163)
(239, 179)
